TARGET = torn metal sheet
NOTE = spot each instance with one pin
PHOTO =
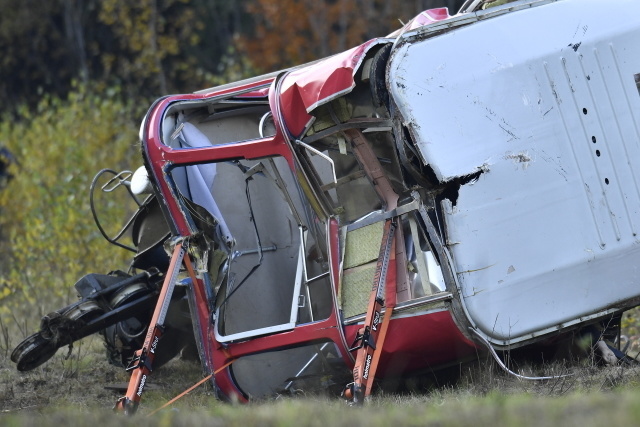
(305, 89)
(549, 122)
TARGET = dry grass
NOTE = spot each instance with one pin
(72, 391)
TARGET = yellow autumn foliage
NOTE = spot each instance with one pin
(49, 239)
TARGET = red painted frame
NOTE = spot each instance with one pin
(421, 341)
(161, 159)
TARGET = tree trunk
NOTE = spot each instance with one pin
(75, 37)
(153, 30)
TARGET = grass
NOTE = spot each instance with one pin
(72, 390)
(594, 408)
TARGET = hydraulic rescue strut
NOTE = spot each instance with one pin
(142, 364)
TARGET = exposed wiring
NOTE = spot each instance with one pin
(503, 366)
(255, 226)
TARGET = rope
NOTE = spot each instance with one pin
(193, 387)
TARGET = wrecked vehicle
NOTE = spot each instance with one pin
(469, 181)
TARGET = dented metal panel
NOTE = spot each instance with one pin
(305, 89)
(530, 120)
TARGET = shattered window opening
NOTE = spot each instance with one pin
(270, 265)
(316, 368)
(353, 196)
(221, 122)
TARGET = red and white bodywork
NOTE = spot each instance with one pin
(504, 145)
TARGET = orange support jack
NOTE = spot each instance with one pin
(371, 336)
(142, 363)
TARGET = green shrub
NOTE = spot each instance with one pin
(48, 237)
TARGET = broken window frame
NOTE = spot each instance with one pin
(301, 302)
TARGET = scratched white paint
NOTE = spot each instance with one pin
(544, 102)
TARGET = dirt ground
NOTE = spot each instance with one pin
(83, 380)
(86, 380)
